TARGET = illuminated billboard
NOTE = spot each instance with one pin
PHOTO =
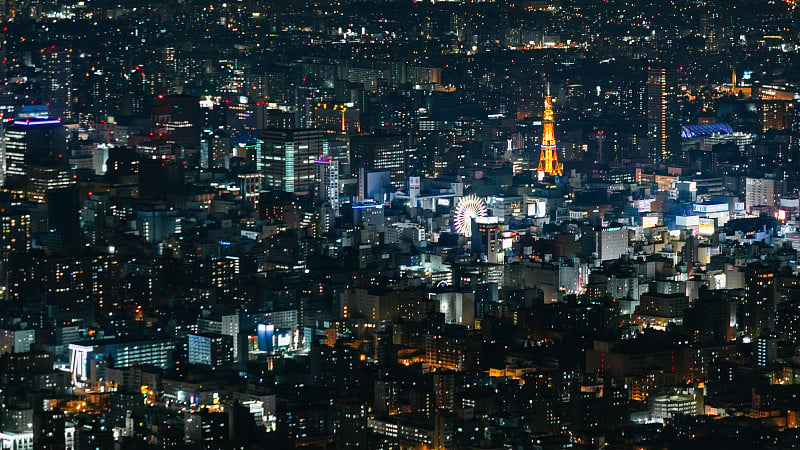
(266, 333)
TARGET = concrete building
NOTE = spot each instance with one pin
(210, 349)
(287, 158)
(759, 192)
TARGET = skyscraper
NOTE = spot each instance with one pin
(57, 81)
(63, 220)
(306, 97)
(327, 182)
(757, 313)
(548, 158)
(27, 142)
(287, 158)
(663, 126)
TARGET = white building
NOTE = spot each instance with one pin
(611, 242)
(17, 341)
(327, 187)
(24, 441)
(759, 192)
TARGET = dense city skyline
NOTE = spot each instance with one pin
(544, 224)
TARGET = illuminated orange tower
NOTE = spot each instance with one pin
(548, 159)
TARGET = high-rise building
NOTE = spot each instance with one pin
(160, 179)
(327, 182)
(57, 81)
(46, 177)
(774, 114)
(29, 141)
(249, 184)
(757, 313)
(380, 154)
(288, 157)
(305, 99)
(122, 353)
(336, 117)
(609, 243)
(715, 315)
(548, 158)
(50, 430)
(765, 350)
(219, 148)
(444, 390)
(63, 219)
(16, 340)
(663, 125)
(15, 231)
(240, 118)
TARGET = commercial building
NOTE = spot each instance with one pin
(85, 357)
(381, 153)
(30, 141)
(287, 158)
(210, 349)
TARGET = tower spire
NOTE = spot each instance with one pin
(548, 158)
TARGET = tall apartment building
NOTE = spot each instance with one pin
(663, 125)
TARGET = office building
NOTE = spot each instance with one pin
(380, 153)
(179, 119)
(63, 219)
(30, 141)
(45, 177)
(210, 349)
(609, 243)
(118, 353)
(15, 231)
(287, 158)
(205, 429)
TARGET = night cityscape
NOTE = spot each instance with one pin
(399, 224)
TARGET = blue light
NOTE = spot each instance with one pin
(28, 123)
(692, 131)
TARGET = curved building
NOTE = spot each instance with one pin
(693, 131)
